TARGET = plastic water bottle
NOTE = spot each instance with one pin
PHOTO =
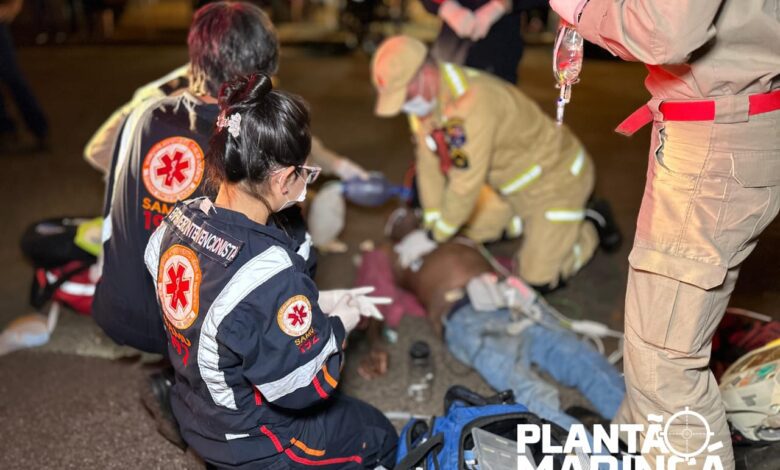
(420, 385)
(374, 191)
(567, 64)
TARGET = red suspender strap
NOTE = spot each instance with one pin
(694, 111)
(637, 120)
(442, 150)
(764, 102)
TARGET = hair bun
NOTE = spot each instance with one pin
(245, 90)
(258, 87)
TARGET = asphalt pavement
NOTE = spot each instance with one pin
(74, 402)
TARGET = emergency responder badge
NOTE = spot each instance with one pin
(459, 159)
(456, 134)
(178, 286)
(173, 169)
(294, 317)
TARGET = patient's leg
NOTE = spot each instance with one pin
(480, 339)
(574, 363)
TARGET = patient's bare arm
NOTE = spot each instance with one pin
(447, 268)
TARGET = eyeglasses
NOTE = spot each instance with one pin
(311, 173)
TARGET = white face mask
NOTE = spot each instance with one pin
(418, 106)
(301, 197)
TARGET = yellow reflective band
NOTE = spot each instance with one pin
(564, 215)
(522, 181)
(578, 163)
(455, 79)
(430, 216)
(445, 228)
(88, 236)
(515, 226)
(577, 257)
(414, 123)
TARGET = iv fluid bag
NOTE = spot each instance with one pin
(568, 52)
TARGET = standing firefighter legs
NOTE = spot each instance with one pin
(711, 189)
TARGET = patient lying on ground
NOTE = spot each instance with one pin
(497, 345)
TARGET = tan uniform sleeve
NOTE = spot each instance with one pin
(655, 32)
(100, 148)
(430, 182)
(464, 183)
(323, 157)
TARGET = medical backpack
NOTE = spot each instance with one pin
(446, 443)
(62, 252)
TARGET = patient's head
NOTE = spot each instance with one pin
(401, 223)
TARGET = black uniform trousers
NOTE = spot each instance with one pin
(11, 79)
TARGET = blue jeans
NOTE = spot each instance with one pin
(481, 340)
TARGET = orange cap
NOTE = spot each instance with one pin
(394, 65)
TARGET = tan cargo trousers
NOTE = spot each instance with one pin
(557, 241)
(491, 219)
(712, 188)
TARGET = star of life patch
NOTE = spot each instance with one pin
(294, 316)
(178, 286)
(173, 169)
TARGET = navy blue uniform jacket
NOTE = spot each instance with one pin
(251, 348)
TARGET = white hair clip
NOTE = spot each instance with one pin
(233, 123)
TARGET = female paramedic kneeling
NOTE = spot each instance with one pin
(257, 352)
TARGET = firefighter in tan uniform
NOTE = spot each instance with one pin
(713, 185)
(490, 161)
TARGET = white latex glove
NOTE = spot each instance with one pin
(367, 305)
(460, 19)
(568, 10)
(346, 169)
(347, 310)
(413, 247)
(485, 17)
